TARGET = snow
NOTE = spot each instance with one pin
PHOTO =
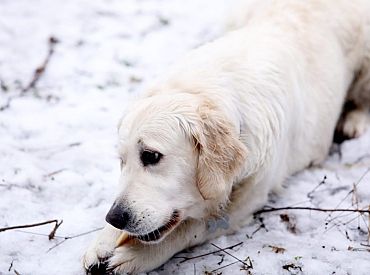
(58, 141)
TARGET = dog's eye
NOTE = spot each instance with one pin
(150, 157)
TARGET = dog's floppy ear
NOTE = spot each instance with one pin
(221, 153)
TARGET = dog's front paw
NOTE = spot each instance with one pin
(133, 257)
(136, 257)
(95, 260)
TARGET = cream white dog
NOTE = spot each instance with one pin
(201, 150)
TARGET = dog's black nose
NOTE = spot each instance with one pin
(118, 216)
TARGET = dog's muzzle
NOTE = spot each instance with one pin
(118, 217)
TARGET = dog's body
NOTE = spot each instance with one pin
(232, 121)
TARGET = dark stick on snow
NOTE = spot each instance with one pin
(41, 69)
(231, 255)
(11, 266)
(224, 266)
(185, 259)
(51, 235)
(272, 209)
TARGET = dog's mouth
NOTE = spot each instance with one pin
(160, 232)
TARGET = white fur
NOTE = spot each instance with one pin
(236, 117)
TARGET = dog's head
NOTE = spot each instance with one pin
(179, 157)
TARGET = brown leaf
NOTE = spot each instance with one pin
(277, 249)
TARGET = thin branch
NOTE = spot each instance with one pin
(83, 234)
(310, 194)
(338, 224)
(356, 184)
(62, 237)
(66, 238)
(38, 234)
(272, 209)
(349, 193)
(185, 259)
(56, 245)
(52, 233)
(231, 255)
(41, 69)
(11, 266)
(222, 267)
(358, 249)
(54, 173)
(337, 217)
(261, 226)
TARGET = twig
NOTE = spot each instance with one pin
(56, 245)
(231, 255)
(350, 192)
(358, 249)
(41, 69)
(323, 181)
(222, 267)
(62, 237)
(11, 266)
(356, 184)
(54, 173)
(185, 259)
(83, 234)
(51, 235)
(38, 234)
(72, 237)
(261, 226)
(337, 224)
(222, 259)
(272, 209)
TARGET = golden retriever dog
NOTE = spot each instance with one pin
(201, 150)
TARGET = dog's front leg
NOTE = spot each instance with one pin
(135, 256)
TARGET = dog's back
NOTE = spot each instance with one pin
(299, 56)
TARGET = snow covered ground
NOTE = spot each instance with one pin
(57, 143)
